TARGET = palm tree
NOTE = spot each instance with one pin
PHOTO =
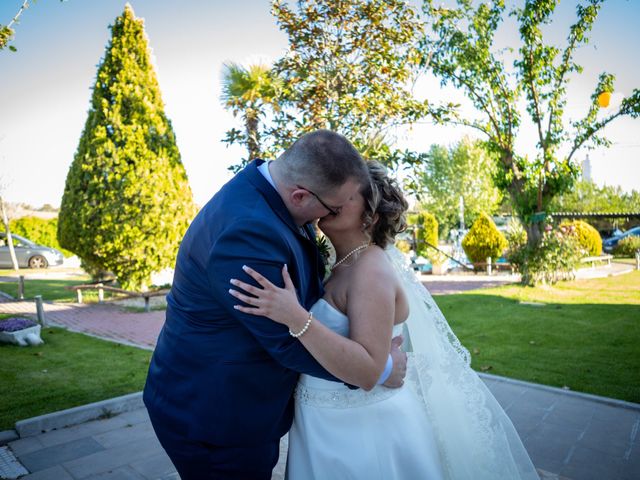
(247, 91)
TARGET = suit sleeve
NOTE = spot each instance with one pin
(260, 246)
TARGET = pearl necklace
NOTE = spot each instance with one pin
(355, 250)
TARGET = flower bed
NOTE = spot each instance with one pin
(20, 331)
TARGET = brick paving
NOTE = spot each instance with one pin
(106, 320)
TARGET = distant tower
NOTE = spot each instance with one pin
(586, 169)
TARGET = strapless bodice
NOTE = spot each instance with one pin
(320, 392)
(337, 321)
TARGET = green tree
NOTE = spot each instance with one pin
(127, 201)
(586, 196)
(463, 170)
(461, 53)
(349, 68)
(249, 92)
(7, 32)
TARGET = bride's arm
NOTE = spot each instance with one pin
(358, 360)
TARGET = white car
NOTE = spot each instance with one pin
(28, 253)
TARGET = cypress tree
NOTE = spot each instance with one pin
(127, 200)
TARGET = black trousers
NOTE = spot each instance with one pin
(196, 460)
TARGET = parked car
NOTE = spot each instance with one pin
(28, 253)
(610, 243)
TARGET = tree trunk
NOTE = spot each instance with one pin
(534, 234)
(12, 252)
(253, 135)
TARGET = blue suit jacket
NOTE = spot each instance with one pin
(217, 374)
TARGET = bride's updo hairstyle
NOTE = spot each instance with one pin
(383, 198)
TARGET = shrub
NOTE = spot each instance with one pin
(515, 235)
(555, 258)
(39, 230)
(483, 240)
(426, 230)
(588, 237)
(403, 245)
(627, 247)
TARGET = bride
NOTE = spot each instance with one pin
(443, 424)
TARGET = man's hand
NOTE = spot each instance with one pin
(396, 379)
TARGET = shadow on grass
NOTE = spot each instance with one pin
(592, 348)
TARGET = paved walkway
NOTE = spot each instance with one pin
(568, 435)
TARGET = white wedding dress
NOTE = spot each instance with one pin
(443, 424)
(339, 433)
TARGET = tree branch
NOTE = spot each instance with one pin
(580, 140)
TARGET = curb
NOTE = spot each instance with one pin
(561, 391)
(7, 436)
(7, 297)
(133, 401)
(81, 414)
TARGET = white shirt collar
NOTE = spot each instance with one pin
(263, 168)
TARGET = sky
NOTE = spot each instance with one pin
(45, 87)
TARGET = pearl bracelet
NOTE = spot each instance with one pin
(304, 329)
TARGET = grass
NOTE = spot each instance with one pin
(627, 260)
(52, 289)
(70, 369)
(584, 335)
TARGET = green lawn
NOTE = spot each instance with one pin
(627, 260)
(52, 289)
(70, 369)
(585, 335)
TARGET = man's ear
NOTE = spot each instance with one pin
(298, 197)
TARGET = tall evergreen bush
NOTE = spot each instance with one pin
(484, 240)
(127, 201)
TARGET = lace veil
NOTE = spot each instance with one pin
(477, 440)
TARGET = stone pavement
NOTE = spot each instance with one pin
(568, 435)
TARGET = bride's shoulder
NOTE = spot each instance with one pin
(375, 264)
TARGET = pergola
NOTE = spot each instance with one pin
(597, 216)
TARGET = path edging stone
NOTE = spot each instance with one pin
(570, 393)
(76, 415)
(7, 436)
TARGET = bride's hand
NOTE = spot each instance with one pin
(279, 304)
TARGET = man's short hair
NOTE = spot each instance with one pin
(322, 161)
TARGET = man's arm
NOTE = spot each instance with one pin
(258, 245)
(265, 250)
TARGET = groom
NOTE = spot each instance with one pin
(220, 386)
